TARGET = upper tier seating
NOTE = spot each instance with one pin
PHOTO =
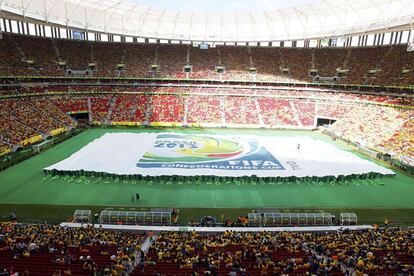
(170, 59)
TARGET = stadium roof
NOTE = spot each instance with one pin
(268, 20)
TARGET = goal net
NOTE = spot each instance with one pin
(42, 146)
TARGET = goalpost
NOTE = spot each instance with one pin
(42, 146)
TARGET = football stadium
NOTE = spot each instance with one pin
(180, 137)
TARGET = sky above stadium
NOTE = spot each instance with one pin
(223, 6)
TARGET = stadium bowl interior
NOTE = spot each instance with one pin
(219, 138)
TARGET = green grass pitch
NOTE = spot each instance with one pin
(25, 188)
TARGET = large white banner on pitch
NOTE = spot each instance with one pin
(157, 154)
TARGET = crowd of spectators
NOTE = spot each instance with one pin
(401, 143)
(299, 62)
(11, 129)
(54, 250)
(11, 59)
(241, 110)
(41, 52)
(171, 60)
(138, 60)
(77, 54)
(305, 110)
(206, 109)
(166, 108)
(106, 67)
(71, 104)
(204, 63)
(363, 118)
(371, 125)
(270, 63)
(52, 111)
(4, 148)
(130, 108)
(333, 110)
(372, 58)
(278, 112)
(100, 106)
(336, 58)
(236, 60)
(23, 118)
(373, 252)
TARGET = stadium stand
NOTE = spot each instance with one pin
(401, 142)
(268, 64)
(13, 131)
(287, 69)
(277, 112)
(4, 148)
(23, 118)
(371, 126)
(53, 250)
(130, 108)
(334, 111)
(241, 110)
(106, 67)
(204, 63)
(305, 111)
(138, 60)
(71, 104)
(170, 59)
(76, 54)
(371, 252)
(374, 123)
(41, 51)
(336, 59)
(100, 108)
(48, 249)
(166, 108)
(206, 109)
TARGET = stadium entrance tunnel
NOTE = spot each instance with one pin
(324, 121)
(81, 117)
